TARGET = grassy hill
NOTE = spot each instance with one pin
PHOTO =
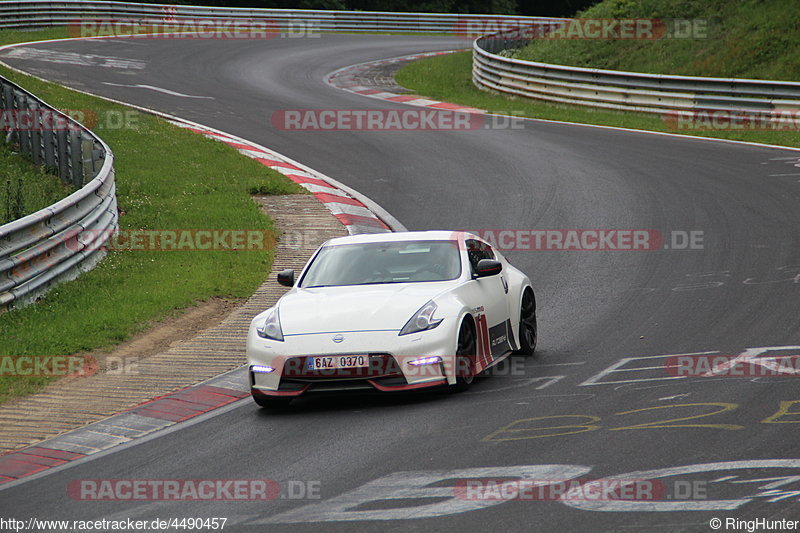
(745, 39)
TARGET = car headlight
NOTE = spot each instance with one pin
(271, 328)
(422, 320)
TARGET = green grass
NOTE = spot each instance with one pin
(167, 178)
(17, 36)
(449, 78)
(745, 39)
(25, 187)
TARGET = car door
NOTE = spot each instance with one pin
(487, 297)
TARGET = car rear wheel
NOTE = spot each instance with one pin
(465, 354)
(268, 402)
(528, 328)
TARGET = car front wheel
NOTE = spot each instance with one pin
(465, 354)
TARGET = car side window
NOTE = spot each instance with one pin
(477, 250)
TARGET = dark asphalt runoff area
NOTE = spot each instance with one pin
(597, 401)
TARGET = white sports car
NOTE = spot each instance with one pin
(391, 312)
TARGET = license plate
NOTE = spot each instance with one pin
(337, 361)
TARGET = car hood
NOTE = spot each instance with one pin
(355, 307)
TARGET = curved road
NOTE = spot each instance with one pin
(580, 403)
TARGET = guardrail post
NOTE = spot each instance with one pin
(61, 137)
(49, 143)
(23, 136)
(98, 156)
(8, 108)
(87, 158)
(34, 121)
(75, 158)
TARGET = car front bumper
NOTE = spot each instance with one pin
(390, 362)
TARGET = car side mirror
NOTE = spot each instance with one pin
(488, 267)
(286, 277)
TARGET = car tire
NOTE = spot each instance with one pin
(528, 327)
(465, 354)
(271, 403)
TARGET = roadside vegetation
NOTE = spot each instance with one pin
(25, 187)
(742, 39)
(167, 178)
(746, 38)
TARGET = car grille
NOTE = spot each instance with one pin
(381, 365)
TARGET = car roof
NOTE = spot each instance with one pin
(400, 236)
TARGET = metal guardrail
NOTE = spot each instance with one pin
(632, 91)
(610, 89)
(33, 13)
(44, 248)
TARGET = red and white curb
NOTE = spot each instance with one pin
(356, 212)
(347, 79)
(144, 419)
(345, 204)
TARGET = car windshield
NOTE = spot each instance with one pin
(383, 262)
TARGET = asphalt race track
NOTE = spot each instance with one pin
(586, 405)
